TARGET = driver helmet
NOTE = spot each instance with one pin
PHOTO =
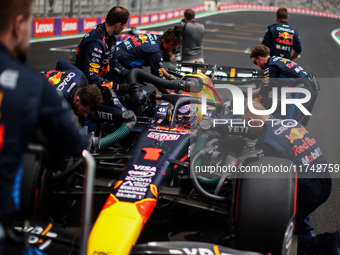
(192, 114)
(187, 115)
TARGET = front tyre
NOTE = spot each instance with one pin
(265, 208)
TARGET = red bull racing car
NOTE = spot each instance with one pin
(169, 164)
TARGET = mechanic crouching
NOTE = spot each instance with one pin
(314, 187)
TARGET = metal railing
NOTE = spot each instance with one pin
(92, 8)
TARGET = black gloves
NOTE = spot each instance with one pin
(128, 88)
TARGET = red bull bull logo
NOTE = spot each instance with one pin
(296, 134)
(259, 98)
(55, 79)
(143, 38)
(107, 85)
(286, 35)
(285, 38)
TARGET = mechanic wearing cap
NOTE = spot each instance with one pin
(281, 72)
(84, 98)
(295, 143)
(281, 38)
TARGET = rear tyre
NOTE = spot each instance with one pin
(265, 209)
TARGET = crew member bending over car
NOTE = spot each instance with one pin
(84, 98)
(147, 50)
(295, 143)
(282, 38)
(282, 72)
(88, 102)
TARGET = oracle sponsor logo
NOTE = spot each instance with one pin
(43, 27)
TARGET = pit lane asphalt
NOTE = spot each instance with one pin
(229, 37)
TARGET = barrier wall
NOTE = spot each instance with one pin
(274, 8)
(49, 27)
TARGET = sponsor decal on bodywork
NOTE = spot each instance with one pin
(166, 137)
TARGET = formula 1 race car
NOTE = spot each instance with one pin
(172, 161)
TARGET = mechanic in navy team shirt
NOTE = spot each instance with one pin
(294, 142)
(84, 98)
(96, 58)
(147, 50)
(282, 72)
(88, 102)
(27, 103)
(281, 38)
(96, 53)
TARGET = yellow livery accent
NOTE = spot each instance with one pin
(118, 226)
(232, 72)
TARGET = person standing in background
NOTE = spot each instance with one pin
(281, 38)
(192, 38)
